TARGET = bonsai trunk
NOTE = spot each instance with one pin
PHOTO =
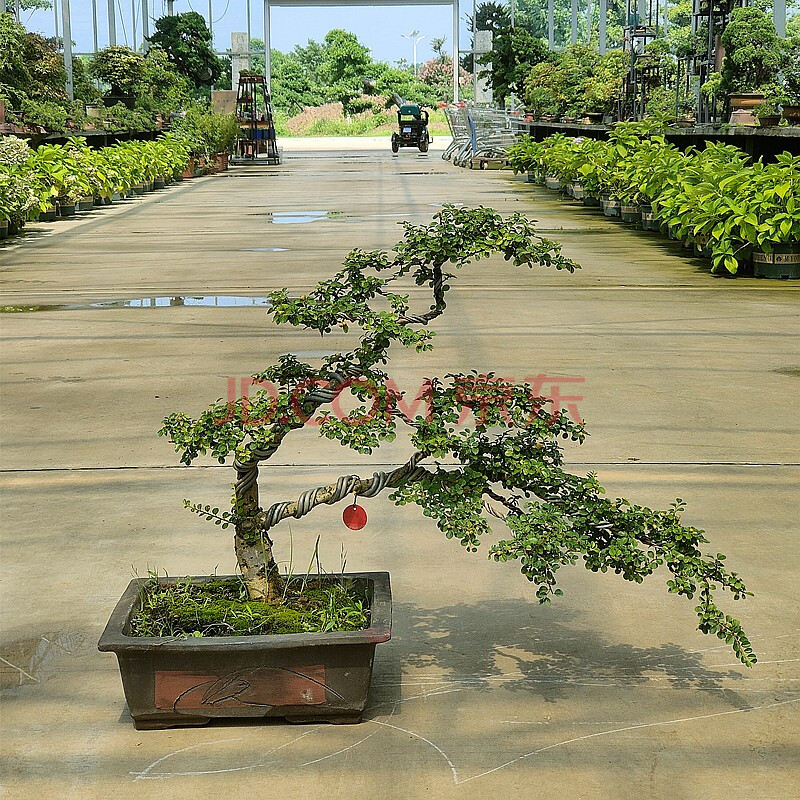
(258, 568)
(254, 552)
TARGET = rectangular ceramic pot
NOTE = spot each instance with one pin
(302, 677)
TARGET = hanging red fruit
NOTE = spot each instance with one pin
(354, 517)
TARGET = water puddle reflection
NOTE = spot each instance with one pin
(214, 300)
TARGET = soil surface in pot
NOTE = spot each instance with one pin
(222, 608)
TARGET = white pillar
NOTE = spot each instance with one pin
(112, 23)
(573, 37)
(779, 16)
(666, 16)
(145, 25)
(170, 8)
(211, 23)
(551, 26)
(133, 24)
(248, 30)
(95, 46)
(16, 10)
(267, 54)
(588, 21)
(601, 31)
(67, 28)
(455, 51)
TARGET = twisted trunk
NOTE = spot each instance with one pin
(254, 548)
(258, 568)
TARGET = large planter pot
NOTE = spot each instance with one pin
(139, 189)
(611, 208)
(48, 215)
(782, 262)
(630, 212)
(302, 677)
(577, 191)
(221, 161)
(85, 204)
(190, 168)
(159, 183)
(3, 228)
(746, 101)
(66, 209)
(791, 114)
(591, 200)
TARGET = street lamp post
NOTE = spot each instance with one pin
(416, 38)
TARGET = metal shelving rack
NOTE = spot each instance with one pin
(256, 120)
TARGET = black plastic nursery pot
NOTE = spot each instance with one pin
(591, 200)
(649, 221)
(631, 213)
(611, 208)
(301, 677)
(66, 209)
(782, 262)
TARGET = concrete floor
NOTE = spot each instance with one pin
(690, 389)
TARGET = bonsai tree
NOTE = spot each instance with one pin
(508, 461)
(753, 54)
(187, 41)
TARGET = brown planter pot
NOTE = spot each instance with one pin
(746, 101)
(190, 168)
(769, 120)
(3, 228)
(221, 161)
(791, 114)
(302, 677)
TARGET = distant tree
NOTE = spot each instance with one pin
(514, 51)
(186, 40)
(437, 45)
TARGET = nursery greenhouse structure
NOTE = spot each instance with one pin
(399, 400)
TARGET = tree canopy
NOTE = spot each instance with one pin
(186, 40)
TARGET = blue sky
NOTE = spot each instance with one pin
(379, 29)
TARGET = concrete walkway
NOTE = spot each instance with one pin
(690, 389)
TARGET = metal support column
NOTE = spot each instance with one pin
(455, 51)
(267, 54)
(170, 8)
(95, 45)
(145, 25)
(589, 10)
(67, 28)
(112, 23)
(573, 36)
(601, 31)
(666, 16)
(779, 16)
(551, 26)
(211, 23)
(248, 33)
(16, 10)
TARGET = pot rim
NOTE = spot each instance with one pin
(115, 641)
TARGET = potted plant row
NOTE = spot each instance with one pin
(714, 201)
(184, 653)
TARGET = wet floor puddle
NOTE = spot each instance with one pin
(35, 660)
(213, 300)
